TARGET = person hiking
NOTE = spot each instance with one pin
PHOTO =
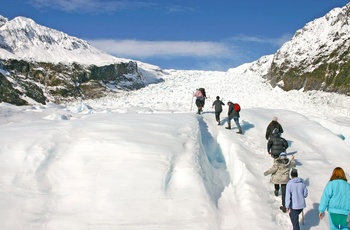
(233, 114)
(296, 192)
(276, 144)
(204, 96)
(336, 199)
(217, 104)
(280, 175)
(199, 100)
(273, 124)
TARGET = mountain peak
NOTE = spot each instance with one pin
(24, 39)
(3, 20)
(319, 37)
(317, 57)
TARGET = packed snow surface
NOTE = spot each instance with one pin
(145, 160)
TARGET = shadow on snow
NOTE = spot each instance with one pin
(212, 162)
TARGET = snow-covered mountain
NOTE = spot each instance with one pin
(317, 57)
(24, 39)
(39, 65)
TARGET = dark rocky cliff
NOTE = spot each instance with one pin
(24, 82)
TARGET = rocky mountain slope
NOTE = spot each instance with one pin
(317, 57)
(40, 65)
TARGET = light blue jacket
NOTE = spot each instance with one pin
(336, 197)
(296, 192)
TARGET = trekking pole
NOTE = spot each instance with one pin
(302, 217)
(192, 101)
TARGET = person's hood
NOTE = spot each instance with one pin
(284, 161)
(275, 132)
(296, 180)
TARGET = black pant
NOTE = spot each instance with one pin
(294, 218)
(217, 116)
(199, 103)
(283, 190)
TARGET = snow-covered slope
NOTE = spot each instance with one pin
(22, 38)
(146, 160)
(319, 38)
(316, 58)
(260, 67)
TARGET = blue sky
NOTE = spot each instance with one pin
(178, 34)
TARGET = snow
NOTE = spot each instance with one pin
(22, 38)
(318, 38)
(144, 160)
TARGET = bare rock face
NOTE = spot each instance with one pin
(23, 82)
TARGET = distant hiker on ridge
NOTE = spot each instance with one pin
(204, 95)
(233, 113)
(218, 108)
(199, 100)
(273, 124)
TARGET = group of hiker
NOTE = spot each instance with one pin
(233, 109)
(284, 175)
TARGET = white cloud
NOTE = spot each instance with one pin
(100, 6)
(137, 48)
(163, 49)
(274, 41)
(201, 54)
(89, 5)
(178, 8)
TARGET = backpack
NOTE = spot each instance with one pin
(284, 143)
(275, 132)
(203, 92)
(236, 107)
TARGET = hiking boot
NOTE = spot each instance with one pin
(276, 192)
(283, 209)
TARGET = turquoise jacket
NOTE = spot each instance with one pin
(336, 197)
